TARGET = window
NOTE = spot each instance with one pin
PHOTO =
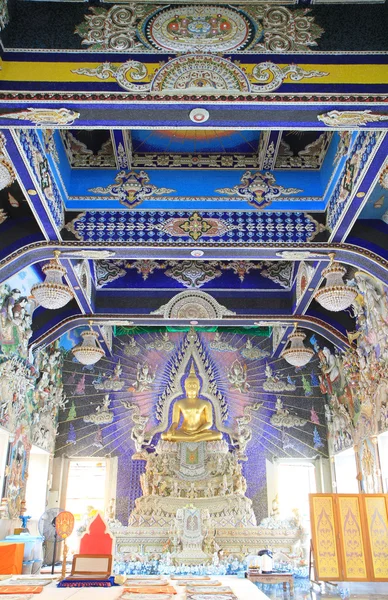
(296, 480)
(346, 472)
(85, 493)
(36, 490)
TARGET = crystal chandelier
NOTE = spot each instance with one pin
(52, 293)
(88, 353)
(335, 295)
(297, 354)
(7, 174)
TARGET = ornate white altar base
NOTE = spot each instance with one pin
(194, 503)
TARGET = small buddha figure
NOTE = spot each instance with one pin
(196, 414)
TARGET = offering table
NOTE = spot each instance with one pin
(242, 588)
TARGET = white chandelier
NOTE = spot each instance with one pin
(7, 174)
(297, 354)
(335, 295)
(88, 353)
(52, 293)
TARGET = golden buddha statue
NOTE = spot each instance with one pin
(197, 416)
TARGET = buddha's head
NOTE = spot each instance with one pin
(192, 384)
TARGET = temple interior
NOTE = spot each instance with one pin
(193, 300)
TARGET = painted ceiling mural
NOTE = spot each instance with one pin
(202, 27)
(114, 407)
(252, 170)
(113, 274)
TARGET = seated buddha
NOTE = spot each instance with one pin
(196, 414)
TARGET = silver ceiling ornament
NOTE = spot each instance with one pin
(335, 295)
(89, 352)
(52, 293)
(297, 354)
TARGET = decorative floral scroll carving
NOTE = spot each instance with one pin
(80, 156)
(108, 270)
(191, 28)
(278, 271)
(145, 268)
(227, 227)
(44, 116)
(132, 188)
(350, 118)
(215, 73)
(241, 267)
(4, 16)
(193, 274)
(192, 305)
(311, 157)
(258, 189)
(131, 69)
(286, 30)
(113, 29)
(271, 76)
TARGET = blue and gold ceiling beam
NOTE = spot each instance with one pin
(349, 254)
(30, 181)
(362, 163)
(313, 324)
(310, 91)
(268, 150)
(26, 149)
(122, 147)
(361, 187)
(142, 68)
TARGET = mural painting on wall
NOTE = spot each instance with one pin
(17, 471)
(31, 390)
(146, 371)
(356, 382)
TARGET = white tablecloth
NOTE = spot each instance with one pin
(243, 589)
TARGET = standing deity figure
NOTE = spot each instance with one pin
(196, 415)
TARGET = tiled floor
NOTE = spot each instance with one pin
(304, 591)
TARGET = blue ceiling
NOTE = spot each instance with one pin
(196, 141)
(194, 188)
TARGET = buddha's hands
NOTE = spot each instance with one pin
(171, 432)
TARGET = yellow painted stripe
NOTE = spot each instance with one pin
(63, 72)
